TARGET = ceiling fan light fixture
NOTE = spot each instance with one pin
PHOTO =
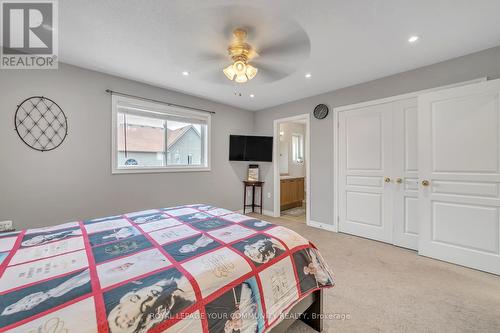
(239, 67)
(241, 78)
(229, 72)
(240, 71)
(251, 71)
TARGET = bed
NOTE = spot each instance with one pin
(192, 268)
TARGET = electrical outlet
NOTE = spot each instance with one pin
(5, 225)
(269, 195)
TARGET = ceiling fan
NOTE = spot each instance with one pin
(240, 52)
(241, 44)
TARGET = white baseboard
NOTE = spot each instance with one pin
(268, 212)
(324, 226)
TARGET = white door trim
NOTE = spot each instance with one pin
(276, 170)
(370, 103)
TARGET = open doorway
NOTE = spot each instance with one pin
(291, 168)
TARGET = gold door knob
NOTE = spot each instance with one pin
(387, 179)
(425, 182)
(399, 180)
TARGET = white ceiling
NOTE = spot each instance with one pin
(347, 41)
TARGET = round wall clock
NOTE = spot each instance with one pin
(320, 111)
(41, 123)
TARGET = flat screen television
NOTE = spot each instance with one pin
(251, 148)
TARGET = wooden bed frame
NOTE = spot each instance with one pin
(308, 310)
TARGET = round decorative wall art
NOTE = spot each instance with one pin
(41, 123)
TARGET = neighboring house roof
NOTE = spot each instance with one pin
(151, 139)
(175, 135)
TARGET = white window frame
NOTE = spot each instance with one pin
(145, 107)
(300, 148)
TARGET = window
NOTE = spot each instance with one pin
(153, 137)
(298, 148)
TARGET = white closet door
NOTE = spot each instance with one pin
(365, 157)
(405, 173)
(459, 153)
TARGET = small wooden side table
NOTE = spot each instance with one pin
(253, 184)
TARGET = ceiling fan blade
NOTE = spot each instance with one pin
(295, 45)
(213, 75)
(211, 56)
(266, 74)
(198, 61)
(270, 74)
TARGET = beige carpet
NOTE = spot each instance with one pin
(383, 288)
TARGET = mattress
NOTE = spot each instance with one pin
(192, 268)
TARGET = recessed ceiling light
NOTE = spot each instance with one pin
(185, 73)
(252, 95)
(308, 75)
(413, 39)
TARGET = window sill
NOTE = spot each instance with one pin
(117, 171)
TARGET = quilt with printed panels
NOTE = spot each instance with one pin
(194, 268)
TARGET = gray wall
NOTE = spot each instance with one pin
(75, 180)
(485, 63)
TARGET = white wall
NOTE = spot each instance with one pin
(484, 63)
(75, 180)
